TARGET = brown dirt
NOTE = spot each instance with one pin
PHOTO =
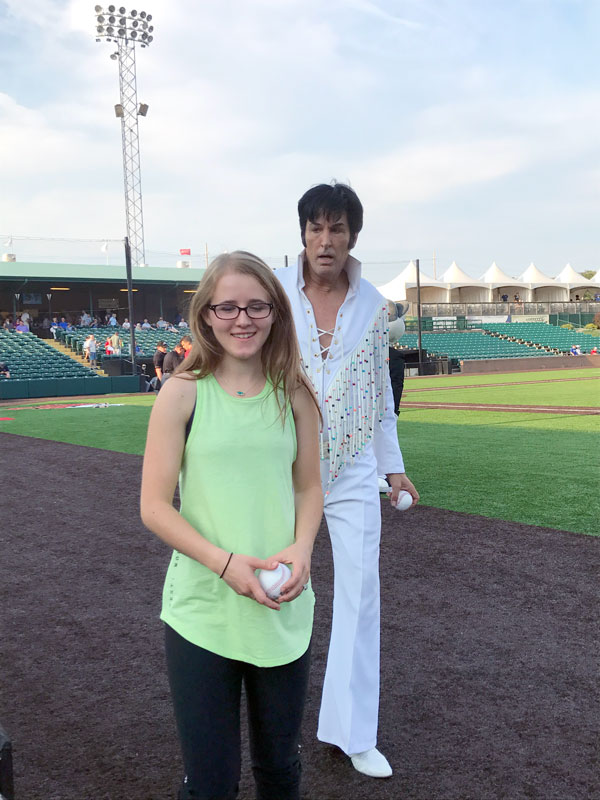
(489, 648)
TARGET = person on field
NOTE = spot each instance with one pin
(342, 322)
(241, 407)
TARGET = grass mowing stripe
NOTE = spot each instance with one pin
(508, 377)
(522, 469)
(569, 393)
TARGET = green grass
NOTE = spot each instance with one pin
(540, 469)
(567, 393)
(439, 381)
(122, 429)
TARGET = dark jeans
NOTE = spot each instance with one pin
(206, 691)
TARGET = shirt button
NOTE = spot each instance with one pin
(330, 356)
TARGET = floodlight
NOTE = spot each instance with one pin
(112, 20)
(143, 14)
(98, 9)
(135, 23)
(114, 57)
(110, 30)
(151, 28)
(148, 17)
(150, 39)
(100, 19)
(111, 9)
(143, 109)
(122, 10)
(119, 112)
(144, 36)
(123, 21)
(100, 29)
(133, 34)
(134, 13)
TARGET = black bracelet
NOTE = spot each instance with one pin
(226, 565)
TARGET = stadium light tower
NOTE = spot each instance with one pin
(126, 29)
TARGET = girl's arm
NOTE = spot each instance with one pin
(162, 462)
(307, 492)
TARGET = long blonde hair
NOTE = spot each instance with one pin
(280, 354)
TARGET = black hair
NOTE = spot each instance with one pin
(331, 200)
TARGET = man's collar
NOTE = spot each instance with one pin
(353, 270)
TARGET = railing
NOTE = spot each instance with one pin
(503, 309)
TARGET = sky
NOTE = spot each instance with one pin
(470, 129)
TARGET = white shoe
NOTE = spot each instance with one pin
(383, 487)
(371, 763)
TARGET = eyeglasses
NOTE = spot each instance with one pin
(230, 311)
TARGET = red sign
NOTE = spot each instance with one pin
(185, 252)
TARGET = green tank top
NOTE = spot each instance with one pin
(236, 490)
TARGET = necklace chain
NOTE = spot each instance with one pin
(238, 392)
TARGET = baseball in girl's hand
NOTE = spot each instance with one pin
(272, 580)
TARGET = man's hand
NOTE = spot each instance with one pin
(400, 482)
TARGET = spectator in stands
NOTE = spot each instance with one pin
(7, 324)
(172, 328)
(95, 323)
(171, 361)
(576, 298)
(113, 319)
(186, 343)
(85, 319)
(594, 351)
(117, 343)
(26, 319)
(93, 350)
(86, 348)
(162, 323)
(138, 326)
(4, 371)
(63, 323)
(505, 298)
(183, 323)
(22, 327)
(146, 325)
(575, 350)
(158, 360)
(126, 324)
(597, 297)
(108, 348)
(517, 298)
(46, 324)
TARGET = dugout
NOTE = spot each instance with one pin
(68, 289)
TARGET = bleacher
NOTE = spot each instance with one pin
(470, 345)
(39, 370)
(145, 339)
(31, 358)
(541, 334)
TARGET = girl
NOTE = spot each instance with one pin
(238, 424)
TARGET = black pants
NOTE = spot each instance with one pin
(206, 691)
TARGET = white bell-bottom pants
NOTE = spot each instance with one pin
(350, 701)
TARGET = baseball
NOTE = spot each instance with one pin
(404, 501)
(272, 580)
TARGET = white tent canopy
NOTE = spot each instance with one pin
(575, 279)
(496, 278)
(455, 277)
(534, 278)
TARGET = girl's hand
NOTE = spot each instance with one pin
(297, 557)
(240, 577)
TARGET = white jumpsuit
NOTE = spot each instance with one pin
(359, 442)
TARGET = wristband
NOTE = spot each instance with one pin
(226, 565)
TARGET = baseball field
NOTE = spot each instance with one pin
(489, 600)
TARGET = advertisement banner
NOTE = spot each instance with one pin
(530, 318)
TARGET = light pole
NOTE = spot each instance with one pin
(126, 29)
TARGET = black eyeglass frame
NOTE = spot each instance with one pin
(213, 308)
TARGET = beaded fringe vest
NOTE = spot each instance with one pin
(354, 401)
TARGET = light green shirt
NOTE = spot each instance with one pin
(236, 490)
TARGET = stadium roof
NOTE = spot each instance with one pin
(109, 273)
